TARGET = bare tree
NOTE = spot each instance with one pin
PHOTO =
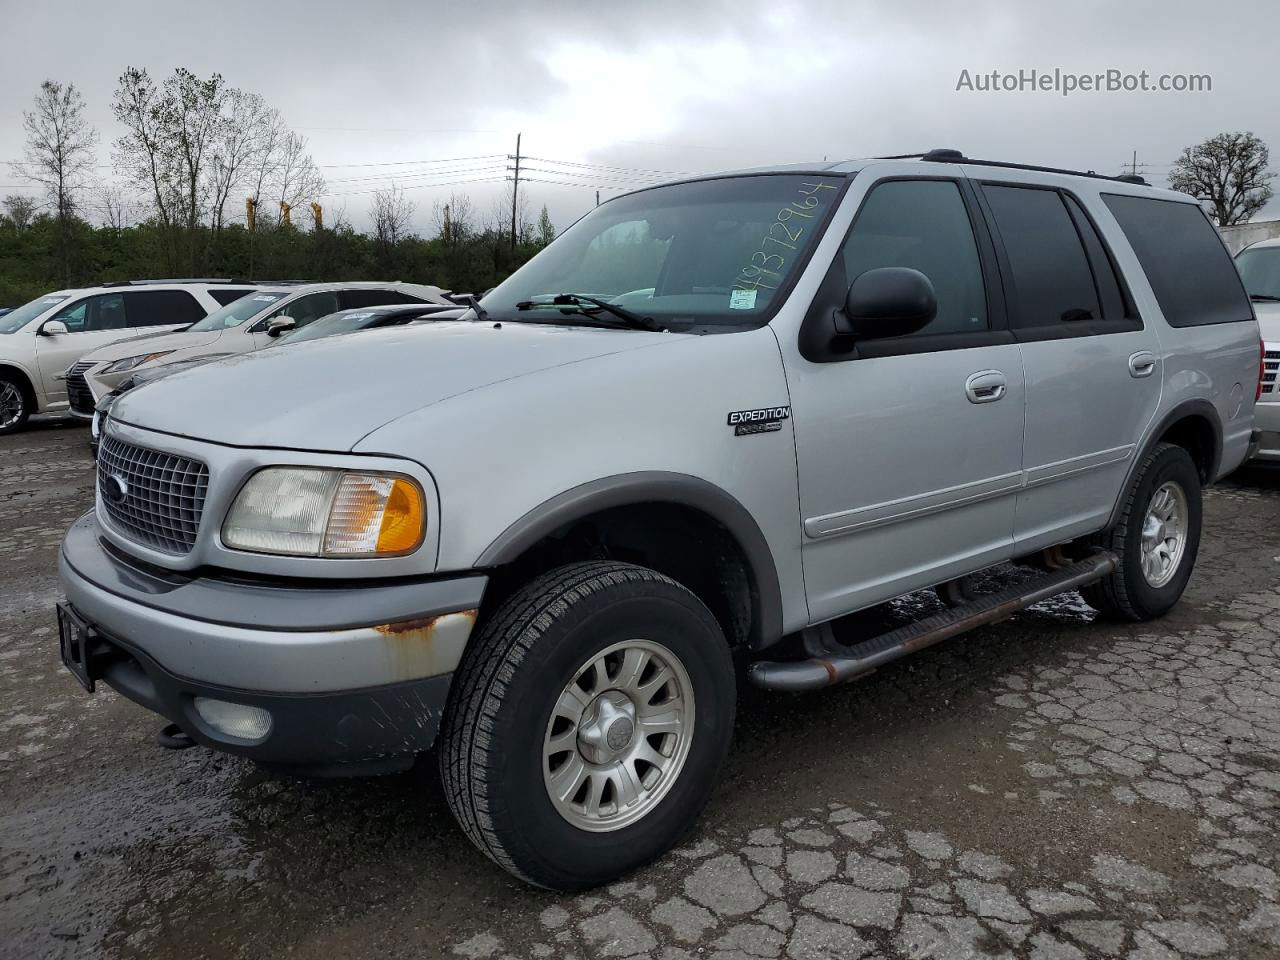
(20, 210)
(1229, 172)
(59, 155)
(392, 212)
(117, 206)
(454, 218)
(238, 141)
(297, 178)
(194, 111)
(144, 153)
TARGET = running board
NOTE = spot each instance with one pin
(862, 658)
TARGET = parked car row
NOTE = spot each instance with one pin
(709, 422)
(68, 349)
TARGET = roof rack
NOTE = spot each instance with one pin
(237, 281)
(949, 155)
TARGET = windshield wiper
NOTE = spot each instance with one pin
(470, 300)
(1264, 296)
(632, 320)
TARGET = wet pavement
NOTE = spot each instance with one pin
(1049, 788)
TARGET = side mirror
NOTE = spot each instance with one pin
(886, 302)
(53, 328)
(278, 325)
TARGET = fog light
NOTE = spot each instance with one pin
(234, 719)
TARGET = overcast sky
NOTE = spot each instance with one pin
(605, 92)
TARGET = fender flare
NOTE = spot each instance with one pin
(1200, 408)
(656, 486)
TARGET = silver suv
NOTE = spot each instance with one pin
(1259, 266)
(713, 415)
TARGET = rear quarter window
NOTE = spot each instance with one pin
(1190, 271)
(224, 296)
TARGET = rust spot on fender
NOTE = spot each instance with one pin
(427, 646)
(425, 626)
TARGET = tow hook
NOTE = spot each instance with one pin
(173, 737)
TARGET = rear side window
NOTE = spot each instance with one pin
(1188, 268)
(224, 295)
(1051, 277)
(162, 308)
(924, 225)
(1116, 304)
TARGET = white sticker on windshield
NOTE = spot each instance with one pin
(742, 299)
(359, 316)
(266, 298)
(53, 299)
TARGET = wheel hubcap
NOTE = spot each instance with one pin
(618, 736)
(11, 404)
(1164, 534)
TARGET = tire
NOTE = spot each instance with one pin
(508, 700)
(13, 393)
(1130, 593)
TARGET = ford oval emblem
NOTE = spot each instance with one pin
(114, 489)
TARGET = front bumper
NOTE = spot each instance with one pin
(1266, 418)
(353, 675)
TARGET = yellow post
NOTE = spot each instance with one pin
(318, 213)
(251, 213)
(284, 214)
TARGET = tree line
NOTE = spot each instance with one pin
(209, 180)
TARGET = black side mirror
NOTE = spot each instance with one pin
(886, 302)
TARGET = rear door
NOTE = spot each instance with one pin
(1093, 368)
(909, 449)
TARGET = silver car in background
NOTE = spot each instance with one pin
(1259, 266)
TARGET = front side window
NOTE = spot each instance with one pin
(713, 254)
(311, 307)
(15, 320)
(924, 225)
(94, 314)
(1051, 277)
(1259, 269)
(238, 312)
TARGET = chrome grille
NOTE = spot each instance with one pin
(78, 391)
(1270, 367)
(163, 494)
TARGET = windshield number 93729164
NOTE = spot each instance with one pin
(782, 239)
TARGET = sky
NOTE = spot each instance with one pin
(430, 96)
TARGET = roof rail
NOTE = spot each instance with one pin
(949, 155)
(143, 283)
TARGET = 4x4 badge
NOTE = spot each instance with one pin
(745, 423)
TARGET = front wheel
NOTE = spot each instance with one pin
(1156, 539)
(15, 405)
(589, 721)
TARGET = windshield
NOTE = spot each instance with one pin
(1259, 269)
(17, 319)
(710, 253)
(332, 324)
(238, 311)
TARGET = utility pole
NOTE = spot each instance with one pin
(446, 225)
(1134, 168)
(597, 198)
(515, 193)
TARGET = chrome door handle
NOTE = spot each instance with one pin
(985, 386)
(1142, 364)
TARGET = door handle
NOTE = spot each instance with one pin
(1142, 364)
(985, 386)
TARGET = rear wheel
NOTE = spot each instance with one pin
(589, 721)
(1156, 539)
(15, 404)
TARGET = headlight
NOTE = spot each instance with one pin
(128, 363)
(314, 512)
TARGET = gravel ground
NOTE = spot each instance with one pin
(1047, 788)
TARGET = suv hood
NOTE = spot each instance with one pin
(328, 394)
(1268, 315)
(132, 346)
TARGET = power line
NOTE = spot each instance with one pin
(405, 163)
(611, 167)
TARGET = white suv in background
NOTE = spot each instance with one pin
(242, 327)
(1259, 266)
(41, 339)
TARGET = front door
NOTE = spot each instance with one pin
(91, 323)
(910, 449)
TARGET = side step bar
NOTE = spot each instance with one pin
(862, 658)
